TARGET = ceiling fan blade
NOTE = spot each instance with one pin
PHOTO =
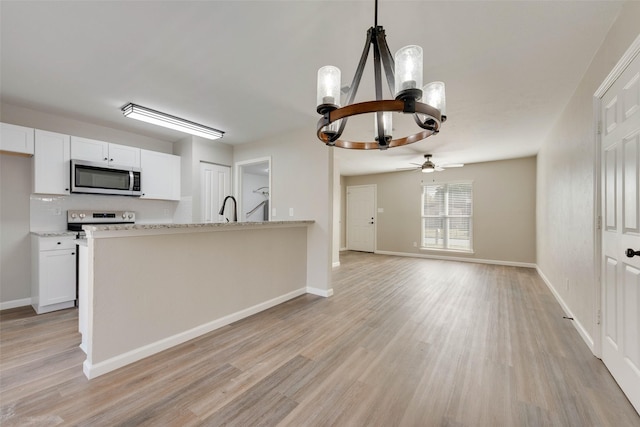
(407, 169)
(439, 168)
(452, 165)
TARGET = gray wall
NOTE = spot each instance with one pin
(566, 208)
(15, 243)
(503, 209)
(302, 179)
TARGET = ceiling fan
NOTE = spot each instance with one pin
(428, 166)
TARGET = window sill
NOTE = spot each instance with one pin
(450, 251)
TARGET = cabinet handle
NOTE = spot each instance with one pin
(73, 253)
(111, 160)
(106, 158)
(59, 243)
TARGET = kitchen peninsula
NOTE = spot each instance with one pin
(145, 288)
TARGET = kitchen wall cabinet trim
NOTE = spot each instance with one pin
(51, 173)
(16, 139)
(53, 275)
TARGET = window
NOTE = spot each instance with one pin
(447, 216)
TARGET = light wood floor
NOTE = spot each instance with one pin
(403, 342)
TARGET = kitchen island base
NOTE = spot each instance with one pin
(150, 288)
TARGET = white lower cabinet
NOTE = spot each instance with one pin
(53, 273)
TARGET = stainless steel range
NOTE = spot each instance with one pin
(76, 219)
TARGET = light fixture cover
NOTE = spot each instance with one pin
(428, 169)
(328, 86)
(433, 94)
(408, 68)
(148, 115)
(387, 118)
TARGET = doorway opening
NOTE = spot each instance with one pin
(253, 188)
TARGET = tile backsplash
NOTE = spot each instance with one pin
(49, 212)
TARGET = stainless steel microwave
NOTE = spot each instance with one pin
(98, 178)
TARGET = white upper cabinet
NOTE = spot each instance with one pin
(160, 175)
(90, 150)
(124, 156)
(51, 171)
(104, 152)
(16, 139)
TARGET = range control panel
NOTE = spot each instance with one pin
(101, 217)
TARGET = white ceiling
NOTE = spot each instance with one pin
(249, 67)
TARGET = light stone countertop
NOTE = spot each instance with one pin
(54, 233)
(146, 229)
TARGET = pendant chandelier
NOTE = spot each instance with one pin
(404, 76)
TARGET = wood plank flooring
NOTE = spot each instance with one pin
(403, 342)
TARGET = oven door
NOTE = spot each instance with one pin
(96, 178)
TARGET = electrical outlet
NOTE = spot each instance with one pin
(290, 211)
(273, 212)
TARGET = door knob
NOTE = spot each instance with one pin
(631, 253)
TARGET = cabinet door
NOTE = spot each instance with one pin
(122, 155)
(90, 150)
(160, 175)
(57, 276)
(16, 139)
(51, 171)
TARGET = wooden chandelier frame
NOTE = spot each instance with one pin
(426, 117)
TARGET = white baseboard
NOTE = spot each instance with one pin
(335, 264)
(320, 292)
(343, 249)
(15, 303)
(94, 370)
(462, 259)
(576, 323)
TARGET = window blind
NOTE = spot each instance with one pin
(447, 218)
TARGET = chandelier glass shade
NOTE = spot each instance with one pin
(403, 76)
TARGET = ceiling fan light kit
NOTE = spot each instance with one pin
(404, 78)
(428, 166)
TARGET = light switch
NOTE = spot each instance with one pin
(380, 210)
(290, 211)
(273, 212)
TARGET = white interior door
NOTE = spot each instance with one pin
(215, 185)
(361, 214)
(621, 231)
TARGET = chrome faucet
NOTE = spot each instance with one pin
(235, 208)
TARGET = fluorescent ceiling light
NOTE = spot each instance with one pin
(148, 115)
